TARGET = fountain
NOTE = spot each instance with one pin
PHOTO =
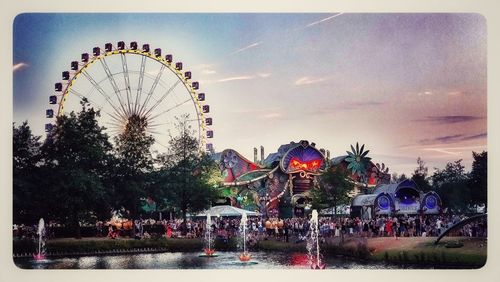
(245, 256)
(313, 243)
(41, 242)
(208, 251)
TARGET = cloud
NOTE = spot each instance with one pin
(246, 48)
(257, 111)
(243, 77)
(306, 80)
(425, 93)
(441, 150)
(323, 20)
(357, 105)
(452, 139)
(477, 136)
(19, 66)
(457, 93)
(264, 75)
(208, 71)
(449, 119)
(272, 116)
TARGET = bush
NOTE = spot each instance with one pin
(22, 246)
(105, 245)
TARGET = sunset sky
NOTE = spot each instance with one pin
(406, 85)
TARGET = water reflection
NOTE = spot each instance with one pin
(225, 260)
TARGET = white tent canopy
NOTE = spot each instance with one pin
(227, 211)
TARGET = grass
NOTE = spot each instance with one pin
(469, 253)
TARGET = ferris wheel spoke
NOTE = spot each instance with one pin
(127, 80)
(99, 88)
(139, 87)
(116, 118)
(99, 107)
(75, 92)
(158, 102)
(152, 90)
(168, 110)
(113, 84)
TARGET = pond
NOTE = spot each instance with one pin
(224, 260)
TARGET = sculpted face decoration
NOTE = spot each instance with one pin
(296, 164)
(303, 158)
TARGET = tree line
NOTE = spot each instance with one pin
(77, 174)
(460, 191)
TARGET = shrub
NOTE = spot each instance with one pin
(22, 246)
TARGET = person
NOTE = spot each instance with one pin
(169, 231)
(418, 231)
(388, 227)
(395, 228)
(112, 233)
(365, 229)
(285, 230)
(439, 223)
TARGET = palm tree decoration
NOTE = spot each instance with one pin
(358, 161)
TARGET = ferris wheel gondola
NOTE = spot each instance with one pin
(133, 83)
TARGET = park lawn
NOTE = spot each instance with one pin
(418, 250)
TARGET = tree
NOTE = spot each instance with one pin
(133, 165)
(185, 181)
(26, 159)
(398, 178)
(133, 147)
(478, 181)
(451, 183)
(77, 158)
(333, 190)
(420, 176)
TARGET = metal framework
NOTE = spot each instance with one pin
(149, 102)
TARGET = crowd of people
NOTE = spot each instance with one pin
(298, 228)
(295, 229)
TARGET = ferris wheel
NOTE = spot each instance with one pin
(127, 83)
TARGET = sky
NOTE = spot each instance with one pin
(406, 85)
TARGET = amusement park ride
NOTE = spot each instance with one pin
(128, 84)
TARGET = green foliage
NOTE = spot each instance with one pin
(24, 246)
(77, 176)
(133, 147)
(395, 178)
(420, 176)
(332, 191)
(68, 246)
(76, 154)
(26, 147)
(26, 173)
(451, 183)
(133, 165)
(185, 181)
(478, 181)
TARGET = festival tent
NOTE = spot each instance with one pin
(227, 211)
